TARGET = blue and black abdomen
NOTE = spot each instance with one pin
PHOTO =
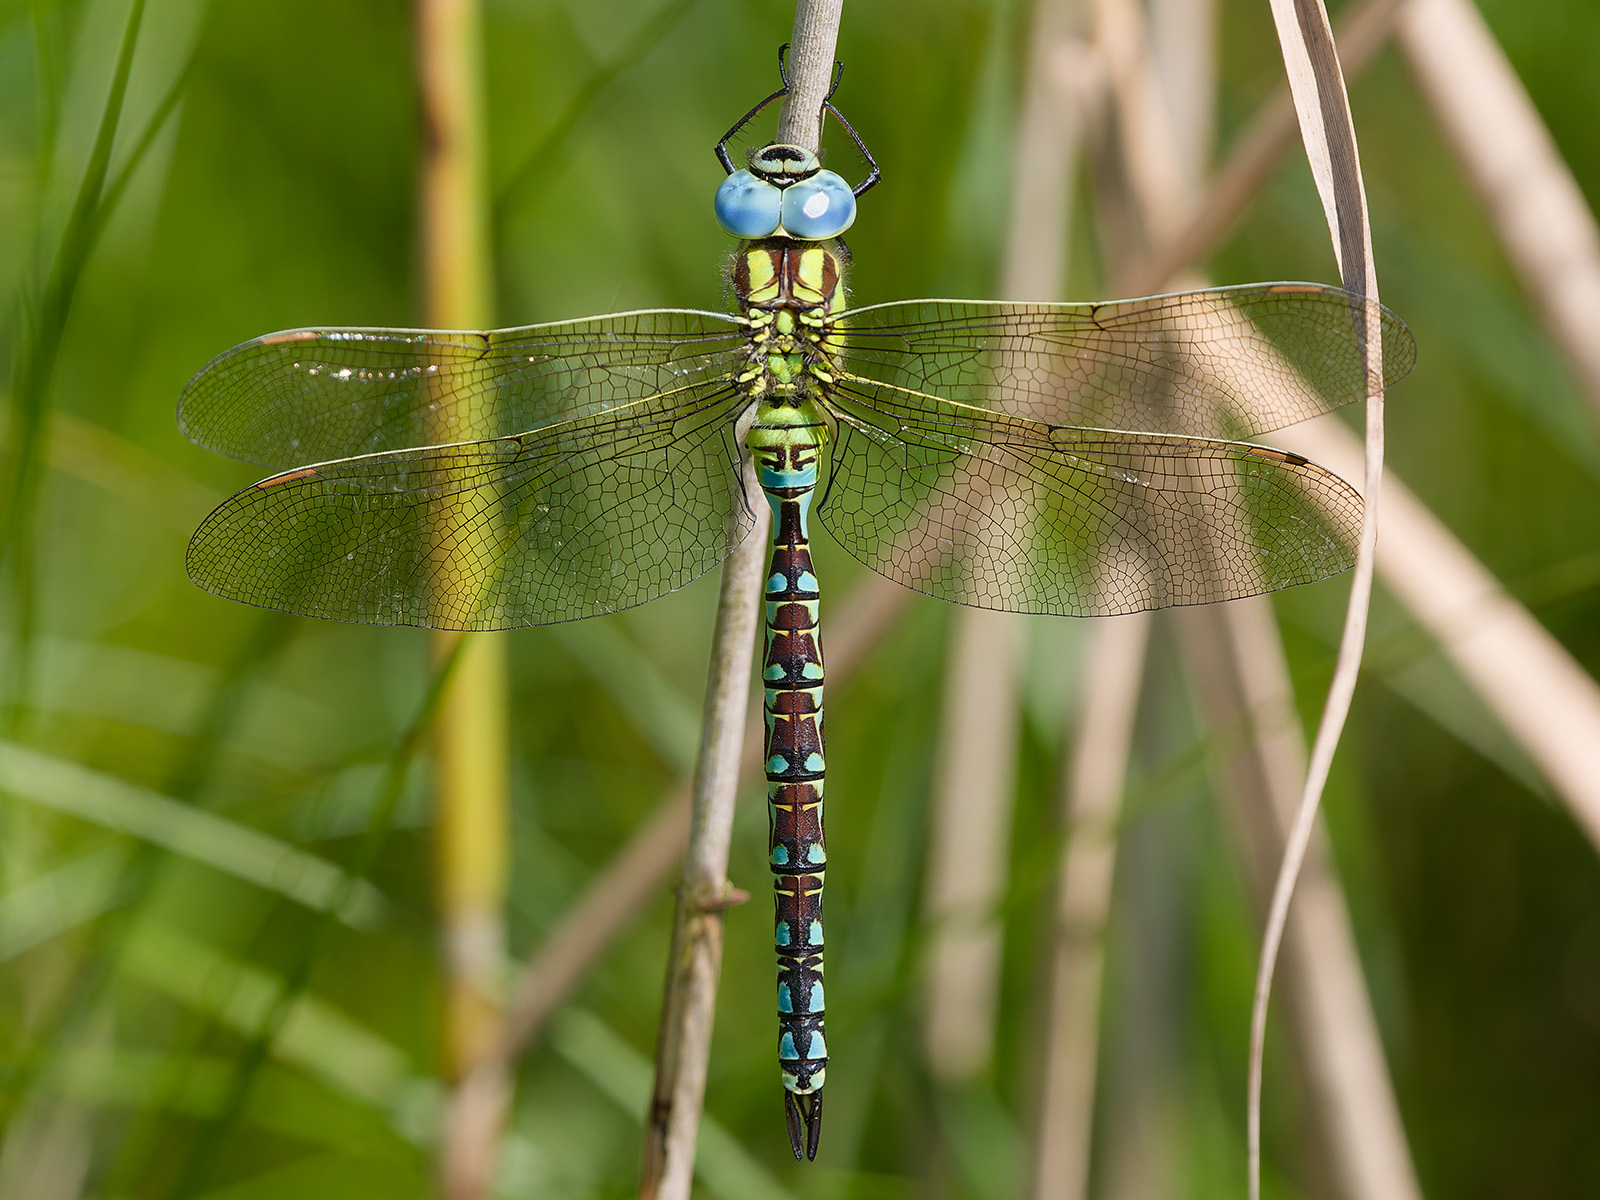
(792, 677)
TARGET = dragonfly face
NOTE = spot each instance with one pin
(1071, 459)
(785, 193)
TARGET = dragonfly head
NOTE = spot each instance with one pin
(785, 193)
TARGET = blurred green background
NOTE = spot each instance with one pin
(282, 192)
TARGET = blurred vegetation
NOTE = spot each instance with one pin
(183, 778)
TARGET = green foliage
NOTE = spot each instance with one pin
(191, 793)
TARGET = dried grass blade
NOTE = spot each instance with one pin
(1323, 108)
(1531, 683)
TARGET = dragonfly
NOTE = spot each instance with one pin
(1079, 459)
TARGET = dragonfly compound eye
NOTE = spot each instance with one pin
(820, 207)
(748, 206)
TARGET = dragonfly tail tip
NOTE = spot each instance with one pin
(803, 1113)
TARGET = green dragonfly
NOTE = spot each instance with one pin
(1078, 459)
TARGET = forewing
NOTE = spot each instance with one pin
(585, 517)
(999, 512)
(1224, 363)
(310, 395)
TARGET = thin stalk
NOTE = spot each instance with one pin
(1242, 686)
(1326, 127)
(1253, 155)
(1236, 662)
(811, 58)
(1538, 691)
(471, 758)
(688, 1008)
(694, 964)
(970, 821)
(634, 877)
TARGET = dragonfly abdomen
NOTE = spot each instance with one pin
(786, 454)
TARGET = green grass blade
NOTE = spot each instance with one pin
(224, 845)
(35, 367)
(213, 1138)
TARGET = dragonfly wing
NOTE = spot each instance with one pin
(585, 517)
(310, 395)
(1229, 362)
(1000, 512)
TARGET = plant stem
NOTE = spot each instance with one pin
(1328, 131)
(688, 1008)
(471, 760)
(635, 875)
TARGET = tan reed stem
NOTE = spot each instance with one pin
(970, 819)
(1326, 128)
(471, 763)
(633, 878)
(1254, 155)
(1242, 687)
(688, 1010)
(1091, 805)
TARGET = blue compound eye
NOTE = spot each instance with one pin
(748, 207)
(819, 207)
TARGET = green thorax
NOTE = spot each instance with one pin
(790, 292)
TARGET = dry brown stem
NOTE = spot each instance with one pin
(636, 875)
(1232, 659)
(1254, 155)
(689, 1005)
(1258, 758)
(970, 819)
(1091, 804)
(1317, 84)
(688, 1010)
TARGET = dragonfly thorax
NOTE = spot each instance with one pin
(789, 294)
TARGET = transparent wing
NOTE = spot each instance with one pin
(1000, 512)
(1225, 363)
(310, 395)
(585, 517)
